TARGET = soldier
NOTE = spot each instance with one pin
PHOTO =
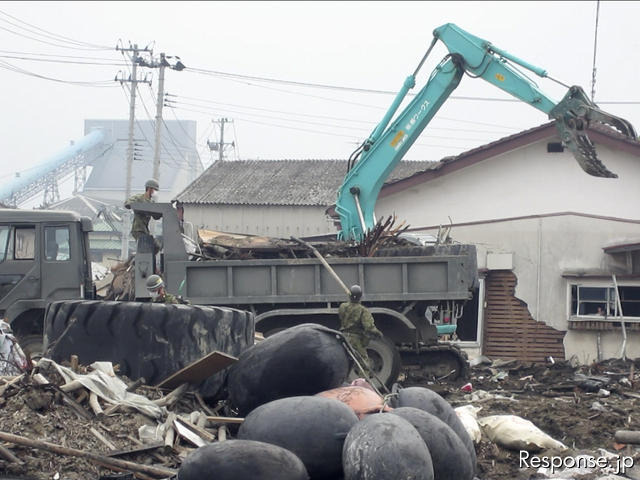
(155, 286)
(140, 225)
(356, 323)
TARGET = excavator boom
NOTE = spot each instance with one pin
(389, 142)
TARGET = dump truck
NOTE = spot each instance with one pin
(46, 259)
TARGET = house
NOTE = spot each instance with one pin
(276, 198)
(552, 241)
(549, 239)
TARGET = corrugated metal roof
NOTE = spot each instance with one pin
(278, 182)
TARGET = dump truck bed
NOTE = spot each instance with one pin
(446, 272)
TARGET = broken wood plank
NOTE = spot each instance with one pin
(199, 370)
(201, 432)
(8, 456)
(95, 404)
(161, 472)
(172, 397)
(12, 381)
(225, 420)
(188, 435)
(66, 398)
(137, 449)
(222, 433)
(102, 438)
(74, 363)
(71, 386)
(627, 437)
(631, 394)
(204, 406)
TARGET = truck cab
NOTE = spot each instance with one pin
(44, 257)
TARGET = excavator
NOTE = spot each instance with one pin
(374, 160)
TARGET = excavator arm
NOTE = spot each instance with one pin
(388, 143)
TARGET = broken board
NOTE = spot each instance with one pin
(199, 370)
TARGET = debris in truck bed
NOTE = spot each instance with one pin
(230, 246)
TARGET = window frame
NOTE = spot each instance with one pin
(14, 243)
(48, 228)
(611, 311)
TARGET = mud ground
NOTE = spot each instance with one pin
(556, 402)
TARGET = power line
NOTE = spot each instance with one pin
(51, 34)
(44, 41)
(50, 60)
(98, 83)
(243, 79)
(275, 125)
(306, 122)
(595, 49)
(328, 117)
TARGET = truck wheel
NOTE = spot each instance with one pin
(33, 345)
(149, 340)
(385, 361)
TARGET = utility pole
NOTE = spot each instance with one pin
(133, 83)
(159, 104)
(160, 64)
(219, 146)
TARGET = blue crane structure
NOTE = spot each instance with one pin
(374, 160)
(43, 177)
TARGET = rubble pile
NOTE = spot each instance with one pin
(68, 421)
(581, 408)
(67, 431)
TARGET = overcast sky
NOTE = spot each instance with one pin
(368, 45)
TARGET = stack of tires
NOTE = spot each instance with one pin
(303, 422)
(147, 340)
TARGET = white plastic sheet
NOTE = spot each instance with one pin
(105, 384)
(468, 415)
(516, 433)
(13, 361)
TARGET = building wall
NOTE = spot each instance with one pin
(527, 181)
(277, 221)
(542, 249)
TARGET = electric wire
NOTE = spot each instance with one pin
(49, 34)
(98, 83)
(353, 137)
(307, 122)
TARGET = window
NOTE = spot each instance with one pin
(4, 240)
(600, 301)
(25, 241)
(56, 244)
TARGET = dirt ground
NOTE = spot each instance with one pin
(556, 402)
(551, 396)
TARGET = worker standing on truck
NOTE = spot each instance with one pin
(155, 287)
(140, 225)
(356, 323)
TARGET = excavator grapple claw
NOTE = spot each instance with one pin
(574, 115)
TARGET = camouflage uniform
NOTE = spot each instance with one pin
(140, 225)
(356, 323)
(168, 298)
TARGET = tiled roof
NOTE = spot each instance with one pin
(278, 182)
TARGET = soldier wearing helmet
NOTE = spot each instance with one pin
(140, 225)
(356, 322)
(155, 286)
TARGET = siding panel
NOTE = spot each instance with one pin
(510, 331)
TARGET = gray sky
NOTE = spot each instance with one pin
(372, 45)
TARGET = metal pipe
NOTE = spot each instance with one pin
(623, 349)
(363, 225)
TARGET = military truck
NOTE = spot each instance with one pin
(45, 258)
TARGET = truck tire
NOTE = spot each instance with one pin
(33, 345)
(149, 340)
(385, 361)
